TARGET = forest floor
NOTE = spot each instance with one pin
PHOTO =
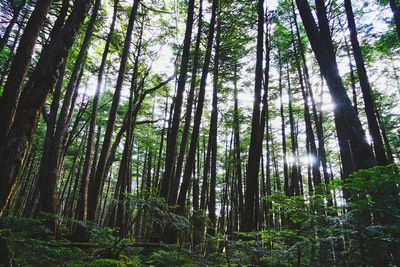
(29, 243)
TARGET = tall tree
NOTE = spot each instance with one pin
(178, 100)
(369, 104)
(253, 164)
(12, 90)
(96, 184)
(54, 148)
(89, 161)
(189, 108)
(236, 130)
(15, 146)
(345, 115)
(199, 112)
(213, 135)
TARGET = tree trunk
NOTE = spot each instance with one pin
(83, 192)
(345, 115)
(33, 99)
(321, 156)
(125, 166)
(95, 184)
(174, 128)
(369, 104)
(51, 168)
(294, 175)
(188, 115)
(11, 23)
(253, 164)
(213, 136)
(396, 15)
(236, 130)
(283, 132)
(4, 69)
(315, 163)
(12, 90)
(197, 118)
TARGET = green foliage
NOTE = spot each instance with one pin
(166, 258)
(25, 228)
(122, 262)
(170, 258)
(6, 247)
(103, 235)
(162, 215)
(34, 245)
(364, 229)
(387, 42)
(106, 263)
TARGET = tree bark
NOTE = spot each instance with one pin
(345, 115)
(33, 99)
(89, 161)
(189, 109)
(174, 128)
(95, 184)
(253, 164)
(396, 15)
(12, 90)
(369, 104)
(197, 118)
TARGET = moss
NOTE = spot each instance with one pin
(122, 262)
(74, 264)
(107, 263)
(39, 253)
(129, 262)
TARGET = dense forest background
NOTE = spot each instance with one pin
(199, 133)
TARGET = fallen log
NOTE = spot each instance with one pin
(88, 245)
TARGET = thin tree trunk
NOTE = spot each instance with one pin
(89, 161)
(213, 136)
(11, 23)
(369, 104)
(188, 115)
(125, 169)
(95, 184)
(236, 129)
(253, 164)
(283, 133)
(5, 67)
(315, 163)
(197, 118)
(174, 128)
(396, 15)
(160, 150)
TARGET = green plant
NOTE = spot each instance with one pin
(107, 263)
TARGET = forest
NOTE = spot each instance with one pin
(199, 133)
